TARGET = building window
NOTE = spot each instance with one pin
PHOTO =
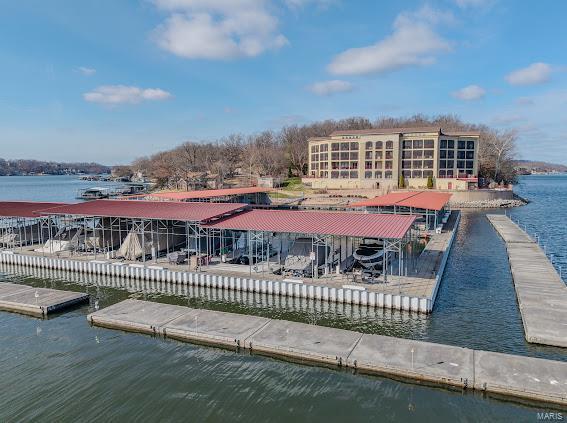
(388, 174)
(417, 144)
(406, 144)
(353, 156)
(389, 165)
(334, 174)
(470, 145)
(443, 154)
(450, 143)
(378, 165)
(369, 145)
(389, 145)
(368, 175)
(428, 144)
(379, 144)
(406, 173)
(378, 155)
(406, 154)
(450, 154)
(470, 164)
(417, 164)
(335, 146)
(324, 147)
(427, 173)
(389, 155)
(442, 173)
(428, 164)
(323, 156)
(460, 154)
(354, 146)
(368, 165)
(443, 144)
(417, 154)
(406, 164)
(470, 155)
(428, 154)
(416, 174)
(335, 156)
(461, 145)
(460, 164)
(378, 174)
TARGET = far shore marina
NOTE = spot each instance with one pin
(386, 252)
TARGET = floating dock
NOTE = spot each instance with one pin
(523, 377)
(36, 301)
(415, 292)
(541, 293)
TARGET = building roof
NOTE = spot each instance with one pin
(417, 199)
(25, 208)
(364, 225)
(384, 131)
(187, 212)
(207, 193)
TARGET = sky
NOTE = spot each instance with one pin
(110, 81)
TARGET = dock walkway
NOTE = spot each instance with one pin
(524, 377)
(541, 294)
(36, 301)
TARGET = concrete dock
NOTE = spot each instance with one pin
(36, 301)
(541, 294)
(523, 377)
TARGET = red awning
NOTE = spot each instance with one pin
(429, 200)
(25, 208)
(187, 212)
(207, 193)
(364, 225)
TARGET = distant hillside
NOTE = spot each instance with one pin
(531, 166)
(36, 167)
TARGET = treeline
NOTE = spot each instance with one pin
(34, 167)
(285, 152)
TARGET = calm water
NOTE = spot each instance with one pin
(61, 369)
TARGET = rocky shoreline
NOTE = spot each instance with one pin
(517, 201)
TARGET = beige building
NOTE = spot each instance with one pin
(375, 158)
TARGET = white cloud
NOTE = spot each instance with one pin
(413, 42)
(218, 29)
(86, 71)
(120, 94)
(536, 73)
(299, 4)
(465, 4)
(470, 92)
(330, 87)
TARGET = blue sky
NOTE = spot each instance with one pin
(108, 81)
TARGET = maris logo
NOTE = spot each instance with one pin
(550, 416)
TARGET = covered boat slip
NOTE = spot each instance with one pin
(21, 224)
(229, 236)
(431, 207)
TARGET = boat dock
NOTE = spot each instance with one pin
(540, 291)
(36, 301)
(523, 377)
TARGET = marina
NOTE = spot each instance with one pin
(38, 302)
(540, 291)
(528, 378)
(379, 260)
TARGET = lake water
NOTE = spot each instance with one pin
(61, 369)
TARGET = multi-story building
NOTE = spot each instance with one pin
(375, 158)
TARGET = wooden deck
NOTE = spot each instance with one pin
(36, 301)
(541, 294)
(524, 377)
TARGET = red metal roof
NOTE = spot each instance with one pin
(25, 208)
(429, 200)
(187, 212)
(320, 222)
(207, 193)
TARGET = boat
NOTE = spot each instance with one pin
(95, 193)
(369, 254)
